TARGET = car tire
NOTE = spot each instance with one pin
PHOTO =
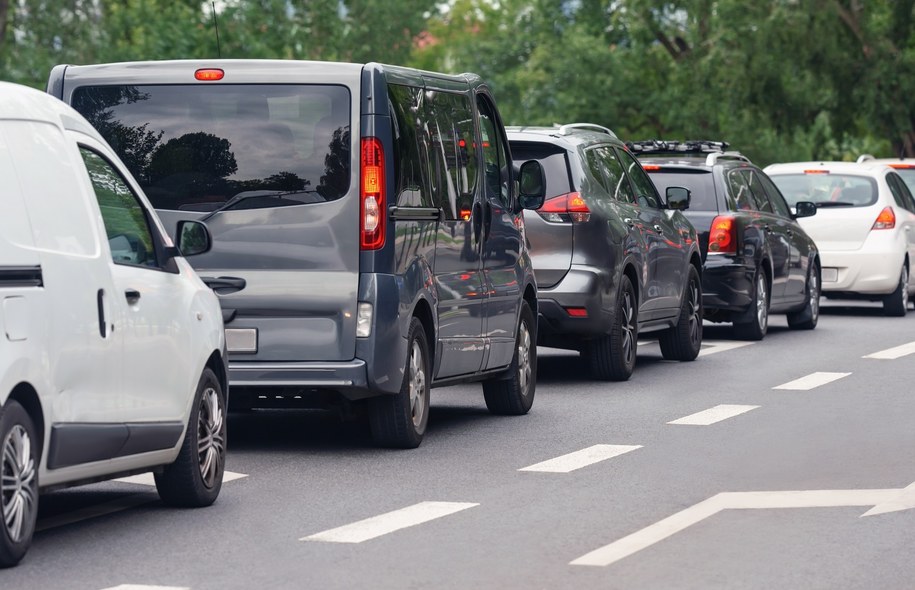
(683, 341)
(513, 394)
(758, 312)
(195, 478)
(612, 356)
(896, 304)
(19, 457)
(400, 420)
(807, 317)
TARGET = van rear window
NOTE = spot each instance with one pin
(199, 148)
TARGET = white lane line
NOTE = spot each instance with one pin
(146, 587)
(131, 501)
(147, 479)
(713, 415)
(721, 346)
(811, 381)
(389, 522)
(893, 353)
(582, 458)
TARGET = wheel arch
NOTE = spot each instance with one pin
(422, 311)
(217, 364)
(27, 397)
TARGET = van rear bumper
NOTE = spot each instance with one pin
(346, 377)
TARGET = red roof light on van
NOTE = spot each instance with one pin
(209, 74)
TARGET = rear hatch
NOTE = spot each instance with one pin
(549, 231)
(261, 152)
(847, 206)
(703, 204)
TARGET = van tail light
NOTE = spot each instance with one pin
(722, 238)
(567, 208)
(372, 207)
(209, 74)
(886, 219)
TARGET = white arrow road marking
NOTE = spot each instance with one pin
(716, 346)
(713, 415)
(812, 381)
(389, 522)
(582, 458)
(893, 353)
(146, 587)
(147, 479)
(882, 500)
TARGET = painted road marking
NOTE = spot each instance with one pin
(146, 587)
(812, 381)
(582, 458)
(713, 415)
(124, 503)
(716, 346)
(882, 500)
(893, 353)
(389, 522)
(147, 479)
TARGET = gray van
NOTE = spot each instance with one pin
(347, 269)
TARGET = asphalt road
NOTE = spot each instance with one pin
(479, 521)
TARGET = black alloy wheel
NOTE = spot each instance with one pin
(683, 341)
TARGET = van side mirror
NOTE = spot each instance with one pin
(804, 209)
(678, 198)
(532, 185)
(192, 238)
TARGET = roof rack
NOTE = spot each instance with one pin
(714, 149)
(864, 158)
(569, 127)
(713, 158)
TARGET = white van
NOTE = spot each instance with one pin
(112, 353)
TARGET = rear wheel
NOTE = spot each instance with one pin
(896, 303)
(683, 341)
(18, 483)
(756, 327)
(513, 395)
(806, 319)
(400, 420)
(612, 356)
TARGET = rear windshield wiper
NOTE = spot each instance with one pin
(247, 195)
(836, 204)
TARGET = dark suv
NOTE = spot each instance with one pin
(757, 259)
(612, 258)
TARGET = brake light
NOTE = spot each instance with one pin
(371, 219)
(722, 238)
(651, 167)
(577, 312)
(816, 171)
(886, 219)
(567, 208)
(902, 166)
(209, 74)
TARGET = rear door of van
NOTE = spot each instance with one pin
(262, 154)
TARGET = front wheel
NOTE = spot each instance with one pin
(756, 328)
(806, 318)
(612, 356)
(513, 395)
(897, 303)
(683, 341)
(195, 478)
(18, 483)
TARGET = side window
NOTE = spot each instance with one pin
(129, 235)
(757, 192)
(740, 190)
(901, 193)
(647, 194)
(608, 171)
(452, 149)
(496, 164)
(407, 126)
(775, 196)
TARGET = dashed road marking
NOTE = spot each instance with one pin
(389, 522)
(147, 479)
(893, 353)
(146, 587)
(717, 346)
(713, 415)
(812, 381)
(582, 458)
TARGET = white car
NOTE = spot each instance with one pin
(864, 227)
(112, 351)
(905, 167)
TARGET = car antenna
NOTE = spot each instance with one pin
(216, 27)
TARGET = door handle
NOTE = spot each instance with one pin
(102, 321)
(224, 285)
(628, 221)
(132, 296)
(766, 228)
(477, 215)
(659, 229)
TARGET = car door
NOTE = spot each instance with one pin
(501, 238)
(667, 255)
(752, 199)
(149, 303)
(906, 217)
(798, 247)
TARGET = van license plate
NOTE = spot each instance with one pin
(241, 340)
(830, 275)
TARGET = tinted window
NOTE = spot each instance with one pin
(757, 192)
(452, 151)
(496, 167)
(607, 170)
(129, 237)
(644, 189)
(740, 190)
(908, 177)
(553, 160)
(699, 182)
(194, 147)
(900, 191)
(827, 190)
(775, 196)
(407, 125)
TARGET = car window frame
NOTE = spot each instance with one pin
(776, 198)
(622, 155)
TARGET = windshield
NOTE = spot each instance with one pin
(826, 189)
(195, 147)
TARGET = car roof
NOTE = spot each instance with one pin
(870, 167)
(568, 135)
(19, 102)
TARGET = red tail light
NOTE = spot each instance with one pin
(577, 312)
(722, 238)
(886, 219)
(651, 167)
(372, 208)
(566, 208)
(209, 74)
(902, 166)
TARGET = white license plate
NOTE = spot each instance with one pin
(830, 275)
(241, 339)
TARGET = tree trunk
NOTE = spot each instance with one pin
(4, 14)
